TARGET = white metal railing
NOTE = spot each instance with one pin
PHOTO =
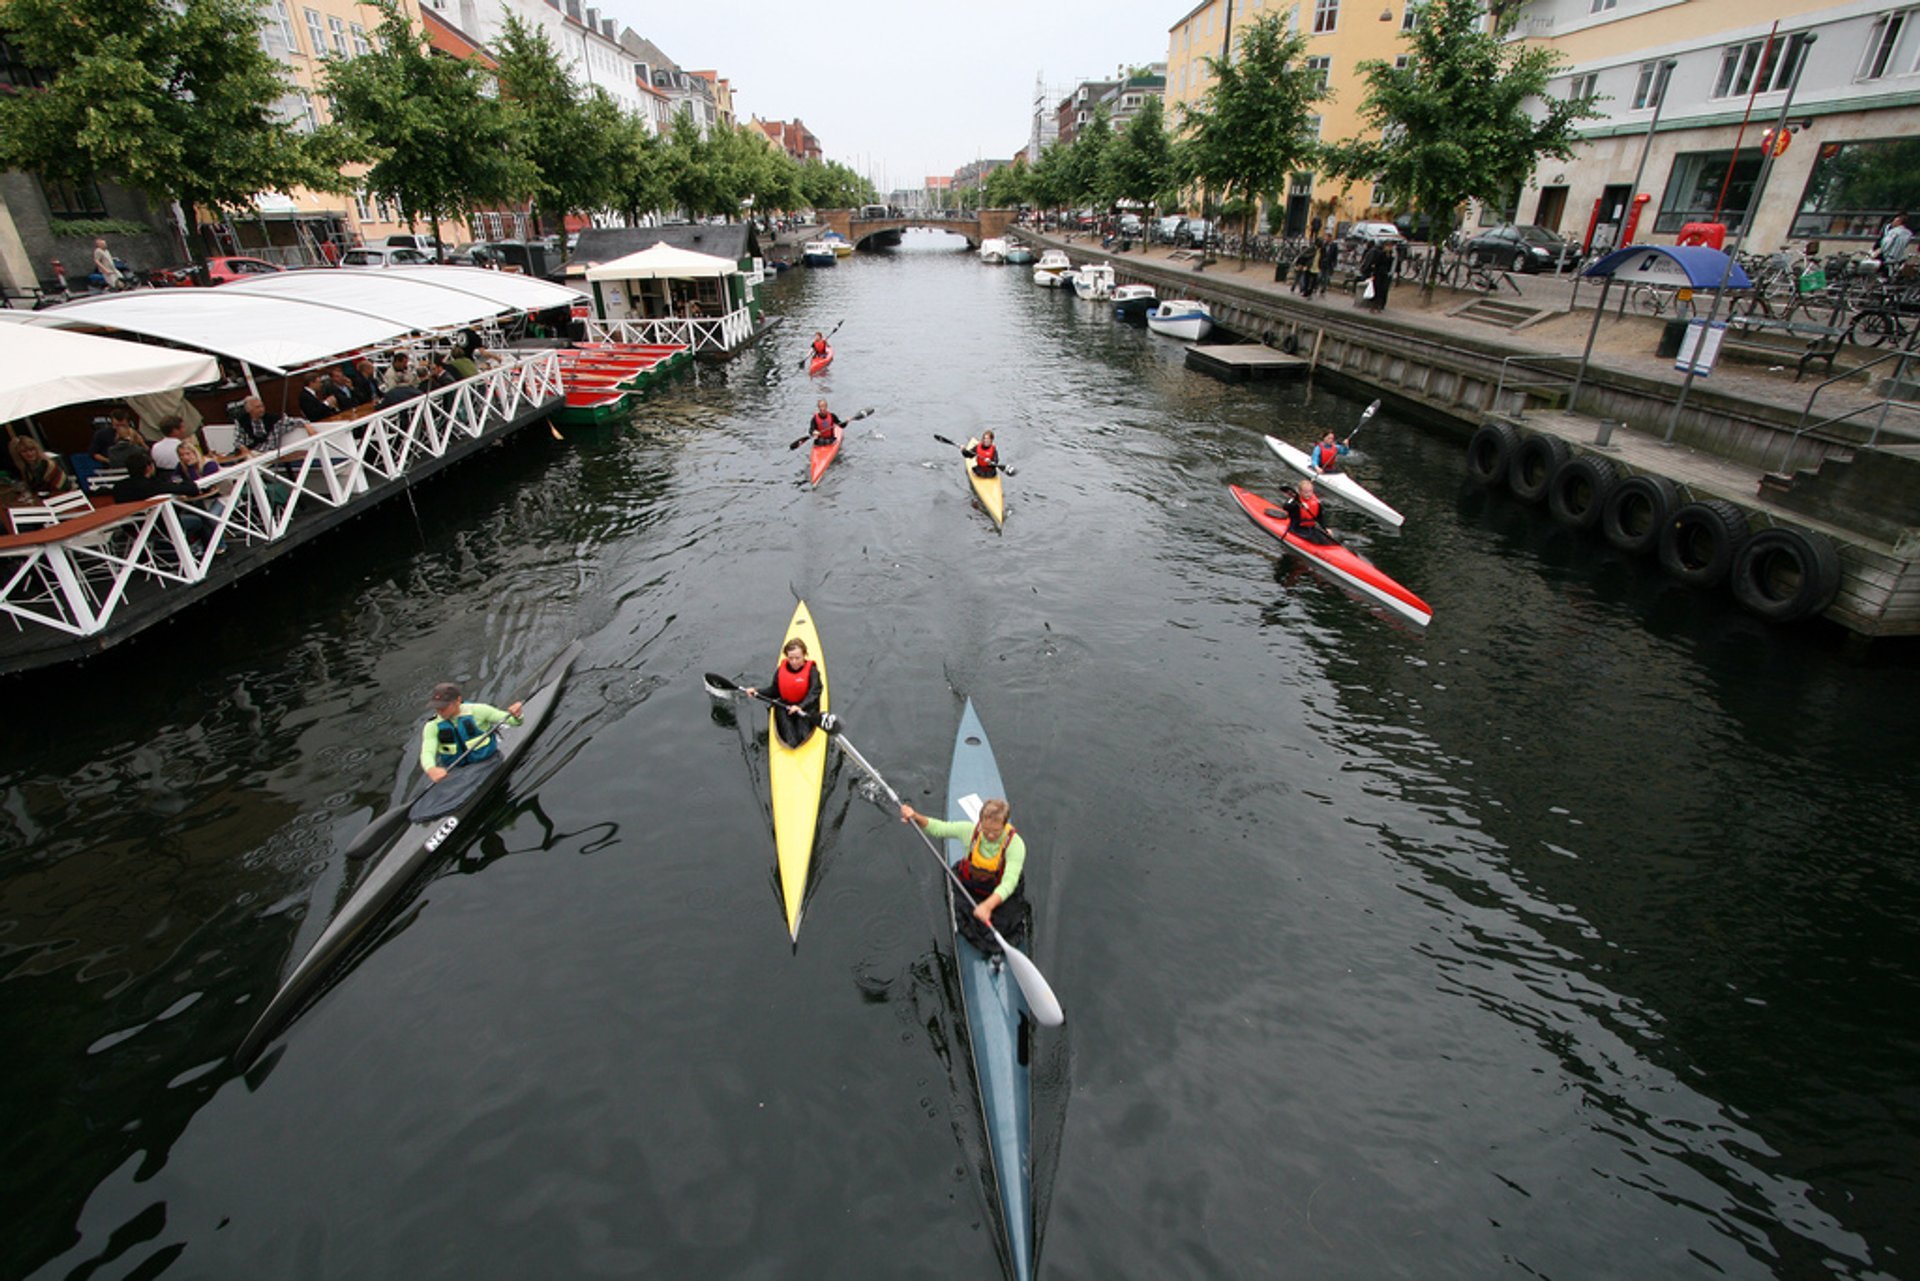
(75, 584)
(697, 335)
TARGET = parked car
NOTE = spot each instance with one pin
(377, 256)
(471, 256)
(1372, 233)
(1196, 232)
(1521, 247)
(1168, 227)
(428, 245)
(218, 271)
(1130, 225)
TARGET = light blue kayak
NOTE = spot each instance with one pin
(998, 1024)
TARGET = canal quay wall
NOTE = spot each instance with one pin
(1742, 438)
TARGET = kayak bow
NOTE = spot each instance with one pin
(820, 457)
(1335, 560)
(998, 1023)
(795, 775)
(818, 363)
(437, 816)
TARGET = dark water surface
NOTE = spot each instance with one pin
(1574, 937)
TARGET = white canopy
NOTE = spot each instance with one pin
(662, 259)
(47, 368)
(296, 319)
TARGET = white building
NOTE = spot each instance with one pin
(585, 38)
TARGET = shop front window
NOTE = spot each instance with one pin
(1855, 187)
(1700, 181)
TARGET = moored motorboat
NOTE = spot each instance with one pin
(987, 489)
(1337, 483)
(430, 823)
(1052, 266)
(1133, 302)
(1094, 281)
(1183, 318)
(999, 1024)
(1335, 560)
(817, 253)
(993, 251)
(841, 246)
(794, 778)
(1018, 254)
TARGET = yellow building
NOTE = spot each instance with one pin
(1341, 34)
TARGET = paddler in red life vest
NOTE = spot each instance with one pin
(820, 347)
(825, 425)
(796, 684)
(996, 855)
(1303, 514)
(985, 455)
(1326, 455)
(460, 734)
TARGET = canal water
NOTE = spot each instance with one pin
(1573, 936)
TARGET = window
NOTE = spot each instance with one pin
(1854, 187)
(1644, 92)
(1754, 67)
(1313, 127)
(1582, 86)
(1700, 181)
(1410, 17)
(316, 34)
(278, 30)
(1602, 6)
(1401, 62)
(1881, 43)
(339, 30)
(1326, 16)
(358, 34)
(1321, 69)
(1381, 197)
(362, 206)
(73, 199)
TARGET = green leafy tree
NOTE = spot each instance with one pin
(832, 185)
(1140, 165)
(1453, 124)
(1048, 181)
(1084, 178)
(444, 144)
(572, 140)
(1254, 127)
(767, 176)
(174, 98)
(1006, 186)
(641, 179)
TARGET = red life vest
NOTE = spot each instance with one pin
(823, 426)
(794, 685)
(1325, 456)
(982, 868)
(1309, 505)
(985, 456)
(819, 346)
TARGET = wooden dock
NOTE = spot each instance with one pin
(1241, 362)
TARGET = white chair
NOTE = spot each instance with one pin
(105, 478)
(220, 437)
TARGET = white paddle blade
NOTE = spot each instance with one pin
(1033, 985)
(970, 805)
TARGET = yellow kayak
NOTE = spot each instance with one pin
(796, 774)
(987, 490)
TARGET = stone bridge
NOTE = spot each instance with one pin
(987, 224)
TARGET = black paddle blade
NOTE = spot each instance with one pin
(377, 833)
(718, 684)
(943, 440)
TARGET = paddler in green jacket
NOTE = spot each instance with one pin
(995, 856)
(460, 734)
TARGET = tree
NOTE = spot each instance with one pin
(1140, 164)
(444, 145)
(174, 98)
(1084, 177)
(1254, 127)
(1005, 187)
(573, 141)
(641, 185)
(1453, 124)
(832, 185)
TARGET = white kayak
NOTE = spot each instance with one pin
(1337, 483)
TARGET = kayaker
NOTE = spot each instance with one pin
(825, 425)
(985, 455)
(820, 348)
(460, 733)
(996, 856)
(796, 684)
(1326, 455)
(1303, 514)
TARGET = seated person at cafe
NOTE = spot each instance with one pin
(400, 373)
(141, 483)
(262, 430)
(117, 427)
(166, 450)
(318, 399)
(37, 469)
(361, 381)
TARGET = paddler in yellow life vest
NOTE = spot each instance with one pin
(985, 455)
(996, 855)
(460, 734)
(796, 684)
(825, 425)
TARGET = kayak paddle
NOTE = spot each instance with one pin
(809, 436)
(830, 333)
(1372, 409)
(1033, 984)
(382, 829)
(943, 440)
(718, 685)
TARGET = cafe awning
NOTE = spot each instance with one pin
(663, 260)
(48, 368)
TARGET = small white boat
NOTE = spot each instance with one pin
(841, 246)
(993, 252)
(1094, 282)
(817, 253)
(1133, 302)
(1184, 318)
(1337, 483)
(1018, 255)
(1052, 265)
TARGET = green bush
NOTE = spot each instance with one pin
(98, 227)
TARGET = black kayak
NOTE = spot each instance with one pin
(432, 822)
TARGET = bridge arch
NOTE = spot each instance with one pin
(987, 224)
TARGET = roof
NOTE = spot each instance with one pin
(296, 319)
(449, 39)
(733, 241)
(1692, 265)
(662, 259)
(48, 368)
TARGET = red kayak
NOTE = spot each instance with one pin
(823, 455)
(1331, 558)
(818, 363)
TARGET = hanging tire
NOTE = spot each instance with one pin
(1786, 574)
(1701, 542)
(1635, 512)
(1534, 463)
(1489, 453)
(1578, 490)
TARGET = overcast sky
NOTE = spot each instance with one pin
(907, 88)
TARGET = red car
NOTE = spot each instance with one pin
(219, 271)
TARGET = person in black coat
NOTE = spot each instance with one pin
(318, 399)
(142, 483)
